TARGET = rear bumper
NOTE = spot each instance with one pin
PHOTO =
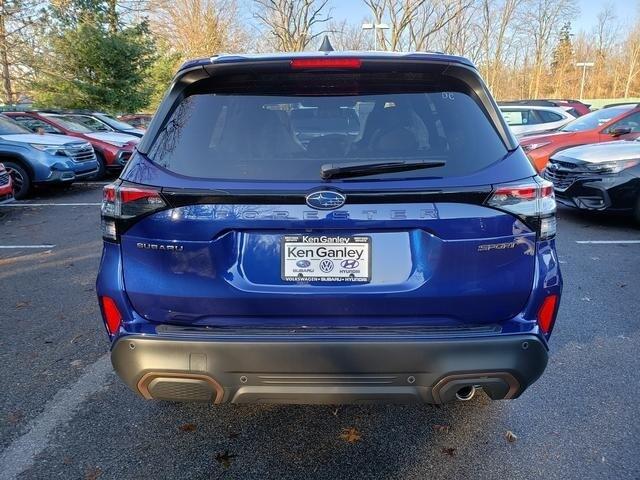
(291, 369)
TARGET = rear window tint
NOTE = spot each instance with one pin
(251, 136)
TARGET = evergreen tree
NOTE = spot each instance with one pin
(95, 63)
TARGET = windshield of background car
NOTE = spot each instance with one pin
(9, 127)
(115, 123)
(595, 119)
(89, 122)
(290, 135)
(69, 125)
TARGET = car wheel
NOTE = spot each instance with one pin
(102, 169)
(21, 180)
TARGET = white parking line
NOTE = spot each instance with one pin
(20, 247)
(58, 411)
(607, 242)
(25, 204)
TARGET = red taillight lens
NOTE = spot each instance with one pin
(533, 202)
(547, 314)
(311, 63)
(112, 317)
(121, 202)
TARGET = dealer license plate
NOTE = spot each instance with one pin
(326, 258)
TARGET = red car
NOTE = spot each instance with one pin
(605, 125)
(113, 149)
(6, 185)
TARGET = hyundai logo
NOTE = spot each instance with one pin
(303, 263)
(325, 200)
(326, 266)
(350, 264)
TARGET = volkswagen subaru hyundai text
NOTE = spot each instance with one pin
(408, 256)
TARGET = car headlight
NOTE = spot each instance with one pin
(533, 146)
(50, 149)
(615, 166)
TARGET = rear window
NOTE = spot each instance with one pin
(275, 135)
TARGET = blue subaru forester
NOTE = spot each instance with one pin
(329, 228)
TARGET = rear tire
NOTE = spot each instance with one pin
(21, 180)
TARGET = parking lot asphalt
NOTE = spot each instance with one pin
(64, 414)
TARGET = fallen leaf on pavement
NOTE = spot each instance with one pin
(76, 363)
(224, 459)
(351, 435)
(92, 473)
(510, 436)
(234, 435)
(20, 305)
(187, 427)
(441, 428)
(449, 451)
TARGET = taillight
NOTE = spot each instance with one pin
(325, 63)
(532, 201)
(547, 314)
(122, 204)
(112, 317)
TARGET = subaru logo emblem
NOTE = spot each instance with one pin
(350, 264)
(325, 200)
(303, 263)
(326, 266)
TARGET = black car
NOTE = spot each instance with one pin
(600, 176)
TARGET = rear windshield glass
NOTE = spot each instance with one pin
(252, 136)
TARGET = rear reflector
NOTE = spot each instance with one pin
(311, 63)
(547, 314)
(112, 317)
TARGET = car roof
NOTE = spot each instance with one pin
(533, 107)
(253, 57)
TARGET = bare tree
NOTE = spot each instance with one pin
(195, 28)
(292, 24)
(543, 20)
(431, 18)
(18, 19)
(348, 36)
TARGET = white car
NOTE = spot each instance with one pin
(527, 120)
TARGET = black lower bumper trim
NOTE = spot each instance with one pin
(319, 371)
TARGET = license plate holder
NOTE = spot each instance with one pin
(326, 258)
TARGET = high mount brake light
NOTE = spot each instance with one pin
(325, 63)
(532, 201)
(122, 204)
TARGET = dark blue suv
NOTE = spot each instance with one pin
(329, 228)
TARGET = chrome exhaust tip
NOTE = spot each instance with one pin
(466, 393)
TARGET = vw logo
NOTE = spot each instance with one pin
(350, 264)
(303, 263)
(326, 266)
(325, 200)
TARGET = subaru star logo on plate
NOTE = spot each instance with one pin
(325, 200)
(303, 263)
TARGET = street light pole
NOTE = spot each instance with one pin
(584, 66)
(373, 27)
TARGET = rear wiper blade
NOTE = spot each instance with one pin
(360, 169)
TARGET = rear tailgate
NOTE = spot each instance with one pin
(236, 244)
(430, 263)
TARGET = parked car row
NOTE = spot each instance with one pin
(593, 161)
(45, 147)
